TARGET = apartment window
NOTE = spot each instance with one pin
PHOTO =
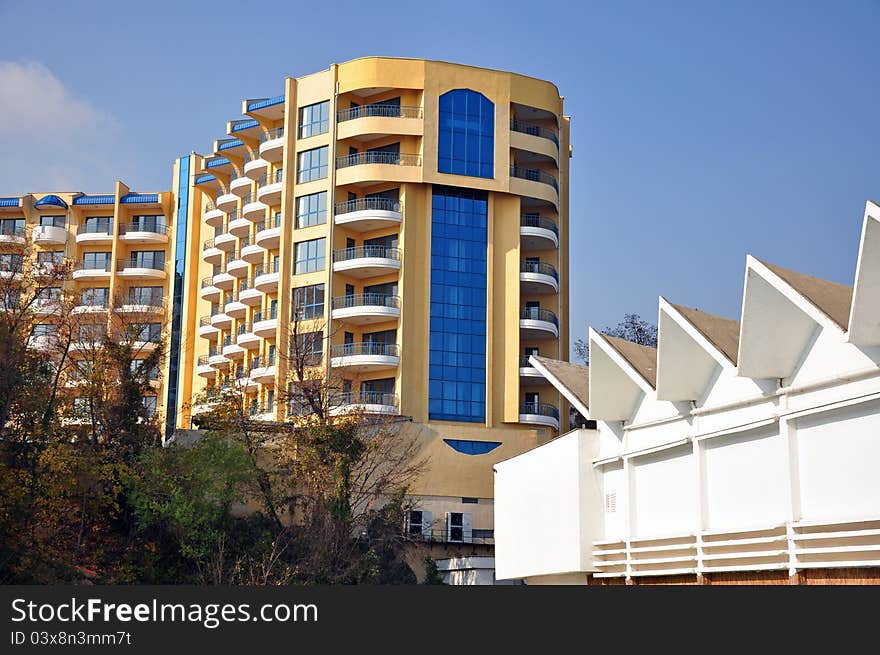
(50, 257)
(81, 407)
(309, 346)
(311, 209)
(98, 224)
(314, 119)
(92, 333)
(466, 143)
(45, 330)
(418, 524)
(309, 256)
(49, 294)
(148, 224)
(150, 404)
(151, 296)
(308, 302)
(95, 297)
(53, 221)
(148, 259)
(312, 165)
(151, 332)
(139, 368)
(12, 226)
(10, 262)
(270, 400)
(459, 527)
(469, 501)
(99, 261)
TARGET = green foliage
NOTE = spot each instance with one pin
(432, 574)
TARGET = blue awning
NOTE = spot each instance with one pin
(139, 198)
(262, 103)
(9, 202)
(217, 161)
(234, 143)
(244, 125)
(106, 199)
(207, 177)
(50, 201)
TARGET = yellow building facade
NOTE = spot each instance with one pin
(404, 221)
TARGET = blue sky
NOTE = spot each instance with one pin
(702, 131)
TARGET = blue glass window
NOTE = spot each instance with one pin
(309, 256)
(457, 367)
(467, 134)
(312, 165)
(308, 302)
(472, 447)
(314, 119)
(311, 209)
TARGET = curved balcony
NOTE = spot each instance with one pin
(47, 269)
(210, 253)
(223, 280)
(206, 330)
(252, 209)
(272, 144)
(537, 323)
(248, 294)
(236, 266)
(224, 240)
(143, 232)
(234, 307)
(528, 374)
(95, 233)
(43, 307)
(378, 158)
(216, 358)
(366, 261)
(231, 349)
(538, 278)
(252, 252)
(534, 139)
(204, 368)
(140, 268)
(366, 308)
(268, 233)
(261, 412)
(49, 235)
(266, 277)
(246, 337)
(220, 319)
(213, 215)
(82, 271)
(227, 202)
(241, 186)
(363, 357)
(265, 324)
(143, 309)
(243, 381)
(255, 166)
(93, 307)
(269, 190)
(263, 374)
(12, 236)
(364, 402)
(208, 291)
(367, 121)
(365, 214)
(362, 167)
(538, 233)
(533, 183)
(539, 414)
(238, 225)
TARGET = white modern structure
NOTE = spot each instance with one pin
(735, 452)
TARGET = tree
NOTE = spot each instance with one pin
(631, 328)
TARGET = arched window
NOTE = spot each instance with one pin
(467, 134)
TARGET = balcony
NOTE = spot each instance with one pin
(269, 189)
(364, 402)
(216, 358)
(227, 202)
(368, 167)
(234, 307)
(236, 266)
(223, 280)
(539, 414)
(538, 278)
(95, 233)
(366, 261)
(365, 357)
(43, 307)
(245, 383)
(366, 308)
(143, 232)
(268, 233)
(537, 323)
(265, 324)
(368, 121)
(231, 349)
(93, 306)
(237, 225)
(365, 214)
(266, 277)
(151, 306)
(255, 166)
(252, 252)
(262, 412)
(241, 186)
(12, 236)
(220, 319)
(140, 268)
(213, 215)
(208, 291)
(91, 271)
(206, 330)
(534, 130)
(534, 183)
(264, 374)
(252, 209)
(529, 374)
(272, 144)
(248, 294)
(538, 233)
(245, 336)
(379, 158)
(49, 235)
(533, 138)
(205, 369)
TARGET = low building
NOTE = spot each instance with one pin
(735, 452)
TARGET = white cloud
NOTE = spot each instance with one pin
(60, 141)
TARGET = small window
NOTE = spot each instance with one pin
(470, 501)
(311, 209)
(414, 524)
(314, 119)
(312, 165)
(309, 256)
(53, 221)
(308, 302)
(150, 403)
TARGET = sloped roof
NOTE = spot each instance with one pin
(832, 299)
(723, 333)
(642, 358)
(575, 378)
